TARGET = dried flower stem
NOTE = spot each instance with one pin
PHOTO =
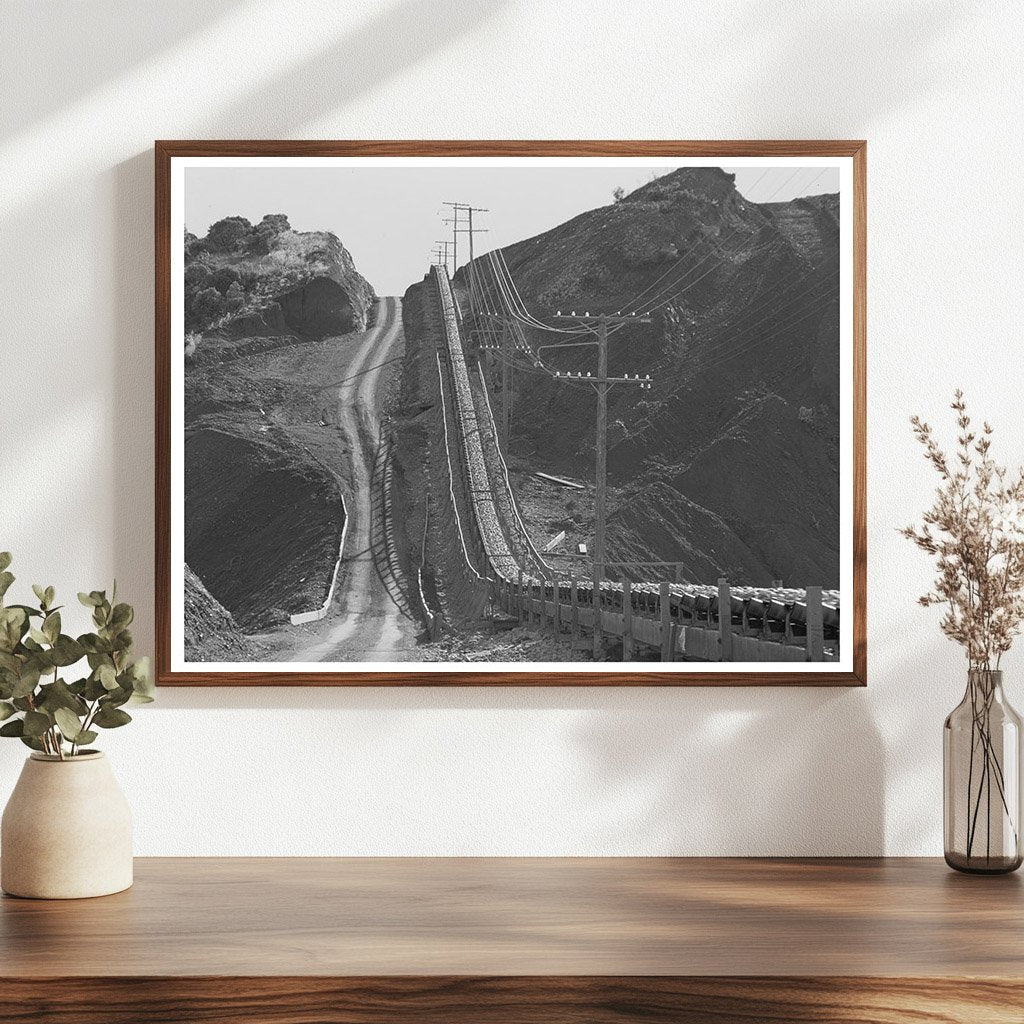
(975, 531)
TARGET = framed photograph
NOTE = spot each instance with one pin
(493, 413)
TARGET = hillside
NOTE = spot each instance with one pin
(211, 633)
(245, 281)
(730, 463)
(263, 509)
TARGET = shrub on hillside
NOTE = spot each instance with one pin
(223, 278)
(227, 233)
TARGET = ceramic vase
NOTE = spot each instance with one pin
(66, 831)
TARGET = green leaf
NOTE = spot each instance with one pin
(50, 595)
(28, 680)
(29, 610)
(40, 593)
(86, 736)
(13, 728)
(110, 717)
(107, 676)
(6, 710)
(94, 644)
(6, 579)
(38, 635)
(51, 626)
(94, 689)
(36, 723)
(13, 624)
(122, 615)
(31, 741)
(67, 651)
(89, 600)
(69, 724)
(5, 559)
(59, 695)
(142, 682)
(115, 698)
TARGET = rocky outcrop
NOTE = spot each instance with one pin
(268, 280)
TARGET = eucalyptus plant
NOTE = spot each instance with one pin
(37, 704)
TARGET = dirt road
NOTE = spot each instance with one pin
(365, 623)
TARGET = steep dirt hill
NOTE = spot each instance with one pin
(211, 633)
(729, 464)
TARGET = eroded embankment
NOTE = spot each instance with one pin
(260, 517)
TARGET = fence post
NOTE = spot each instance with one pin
(557, 613)
(574, 602)
(815, 625)
(596, 595)
(627, 620)
(725, 618)
(666, 621)
(519, 596)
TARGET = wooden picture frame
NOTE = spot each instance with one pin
(850, 670)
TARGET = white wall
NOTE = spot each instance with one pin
(937, 89)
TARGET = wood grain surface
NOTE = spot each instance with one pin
(518, 1000)
(531, 916)
(165, 150)
(722, 941)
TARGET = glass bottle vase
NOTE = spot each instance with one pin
(981, 769)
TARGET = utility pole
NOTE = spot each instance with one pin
(457, 229)
(598, 324)
(445, 242)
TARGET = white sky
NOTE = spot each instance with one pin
(390, 217)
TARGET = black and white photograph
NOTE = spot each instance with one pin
(516, 414)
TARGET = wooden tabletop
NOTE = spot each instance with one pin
(506, 917)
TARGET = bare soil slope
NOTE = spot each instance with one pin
(730, 463)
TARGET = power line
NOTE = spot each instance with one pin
(602, 382)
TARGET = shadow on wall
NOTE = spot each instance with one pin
(110, 32)
(749, 771)
(811, 55)
(697, 771)
(394, 39)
